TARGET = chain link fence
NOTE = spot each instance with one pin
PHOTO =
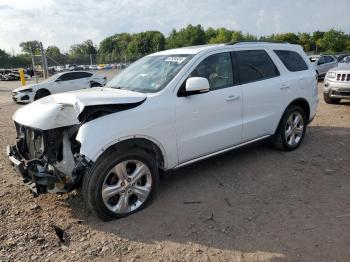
(25, 61)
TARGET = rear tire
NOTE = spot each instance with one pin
(291, 130)
(120, 183)
(41, 93)
(329, 100)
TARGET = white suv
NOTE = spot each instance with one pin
(165, 111)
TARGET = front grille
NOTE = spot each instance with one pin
(343, 77)
(30, 142)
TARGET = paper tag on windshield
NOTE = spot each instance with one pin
(175, 59)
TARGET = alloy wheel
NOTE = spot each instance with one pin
(294, 130)
(126, 186)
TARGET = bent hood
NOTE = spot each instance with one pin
(63, 109)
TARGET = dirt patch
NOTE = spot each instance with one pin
(254, 204)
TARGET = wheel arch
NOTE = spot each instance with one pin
(43, 89)
(146, 143)
(303, 103)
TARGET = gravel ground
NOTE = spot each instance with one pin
(254, 204)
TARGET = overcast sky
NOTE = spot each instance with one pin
(67, 22)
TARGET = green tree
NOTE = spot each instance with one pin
(305, 40)
(28, 46)
(223, 36)
(3, 53)
(191, 35)
(53, 51)
(316, 38)
(286, 37)
(210, 33)
(249, 37)
(54, 56)
(237, 36)
(116, 45)
(333, 41)
(85, 48)
(145, 43)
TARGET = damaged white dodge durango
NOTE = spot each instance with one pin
(165, 111)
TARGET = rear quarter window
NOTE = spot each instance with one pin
(292, 60)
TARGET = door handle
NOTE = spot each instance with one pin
(285, 86)
(232, 97)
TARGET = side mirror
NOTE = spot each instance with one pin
(320, 62)
(197, 85)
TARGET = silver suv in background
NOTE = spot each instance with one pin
(322, 63)
(337, 83)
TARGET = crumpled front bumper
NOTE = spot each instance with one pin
(38, 181)
(15, 160)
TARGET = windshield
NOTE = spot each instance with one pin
(51, 79)
(150, 74)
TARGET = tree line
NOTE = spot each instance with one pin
(129, 47)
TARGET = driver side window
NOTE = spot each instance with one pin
(217, 69)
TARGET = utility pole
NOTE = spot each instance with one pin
(33, 64)
(90, 59)
(44, 61)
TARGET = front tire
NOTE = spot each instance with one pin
(291, 130)
(120, 183)
(329, 100)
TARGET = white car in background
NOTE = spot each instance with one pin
(59, 69)
(93, 67)
(322, 63)
(58, 83)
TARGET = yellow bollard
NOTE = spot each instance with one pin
(21, 75)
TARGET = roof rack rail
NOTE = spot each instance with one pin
(256, 42)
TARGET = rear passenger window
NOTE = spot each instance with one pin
(292, 60)
(84, 74)
(78, 75)
(254, 65)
